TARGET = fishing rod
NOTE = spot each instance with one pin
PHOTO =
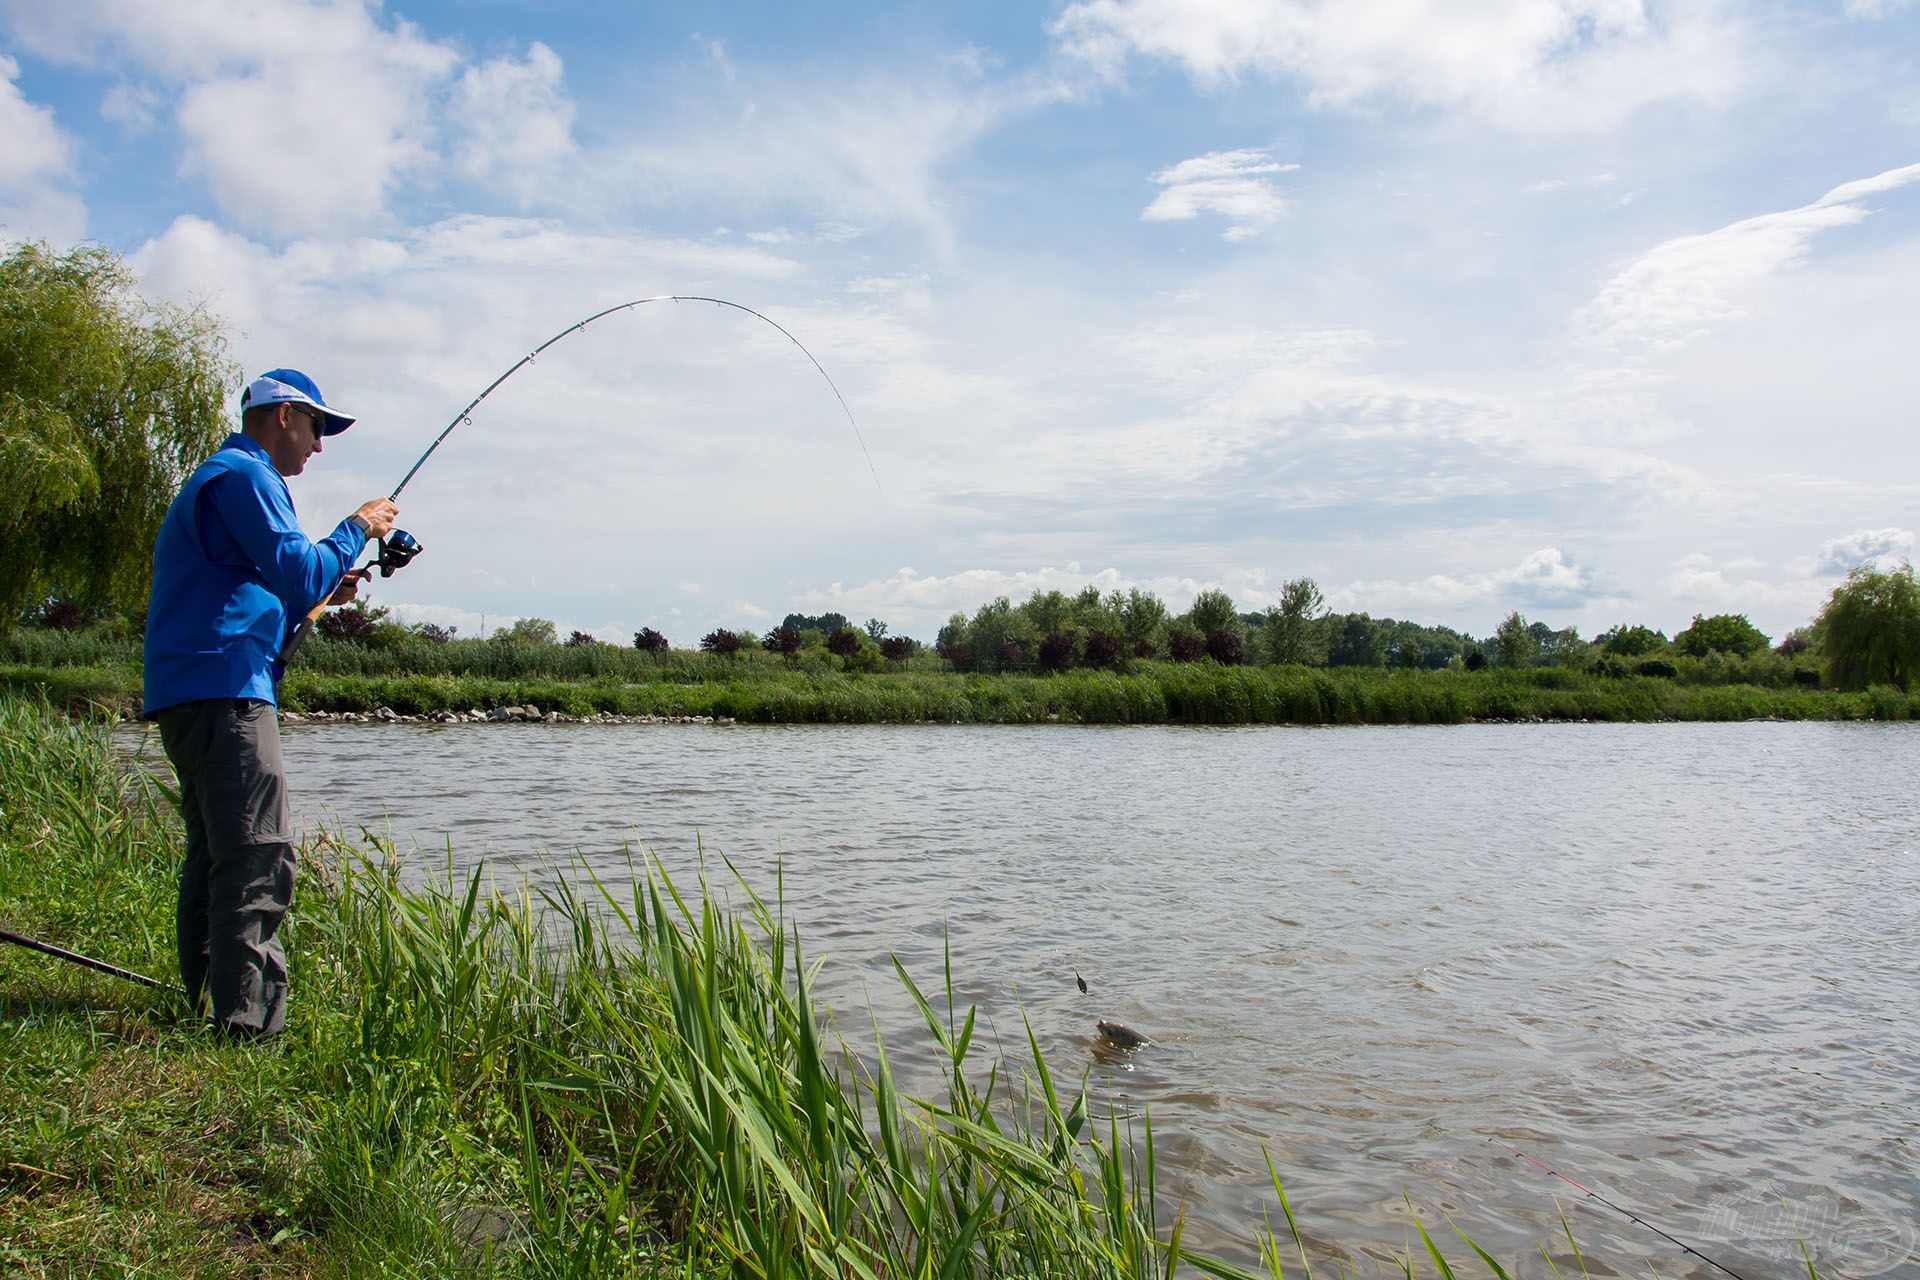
(1628, 1213)
(74, 957)
(398, 547)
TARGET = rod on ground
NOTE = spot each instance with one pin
(74, 957)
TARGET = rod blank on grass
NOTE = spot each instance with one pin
(74, 957)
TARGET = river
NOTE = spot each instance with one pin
(1674, 962)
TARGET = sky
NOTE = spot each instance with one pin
(1603, 311)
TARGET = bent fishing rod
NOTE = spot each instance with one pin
(1625, 1213)
(74, 957)
(398, 547)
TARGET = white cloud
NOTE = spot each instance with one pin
(1875, 8)
(134, 107)
(36, 148)
(1682, 288)
(1545, 579)
(1838, 555)
(300, 117)
(515, 119)
(1235, 184)
(1532, 63)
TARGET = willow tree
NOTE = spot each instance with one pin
(1869, 630)
(107, 401)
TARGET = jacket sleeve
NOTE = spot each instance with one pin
(260, 519)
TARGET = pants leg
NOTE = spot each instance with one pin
(235, 895)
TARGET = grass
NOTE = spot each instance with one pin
(601, 1080)
(762, 689)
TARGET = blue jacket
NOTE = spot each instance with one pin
(232, 575)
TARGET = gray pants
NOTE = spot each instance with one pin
(237, 880)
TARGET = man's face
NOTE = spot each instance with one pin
(295, 437)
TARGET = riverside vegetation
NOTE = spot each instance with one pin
(416, 674)
(600, 1080)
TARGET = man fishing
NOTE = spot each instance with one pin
(231, 572)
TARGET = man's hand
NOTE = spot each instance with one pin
(349, 587)
(378, 515)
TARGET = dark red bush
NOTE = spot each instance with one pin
(434, 633)
(1013, 655)
(1057, 651)
(580, 640)
(784, 641)
(647, 640)
(1145, 649)
(1224, 647)
(896, 648)
(844, 643)
(721, 641)
(1102, 650)
(1184, 646)
(61, 615)
(353, 623)
(959, 655)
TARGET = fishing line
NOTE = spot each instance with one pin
(1627, 1213)
(399, 548)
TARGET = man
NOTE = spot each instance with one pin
(232, 575)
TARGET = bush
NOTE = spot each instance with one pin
(433, 633)
(1057, 651)
(354, 623)
(1224, 647)
(959, 655)
(721, 641)
(784, 641)
(647, 640)
(896, 648)
(580, 640)
(1184, 646)
(1655, 667)
(1013, 655)
(1145, 649)
(1102, 650)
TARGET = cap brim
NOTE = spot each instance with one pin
(335, 422)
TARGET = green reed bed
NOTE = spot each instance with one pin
(602, 1080)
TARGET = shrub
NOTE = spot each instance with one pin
(1102, 650)
(1476, 660)
(896, 648)
(784, 641)
(1013, 655)
(1057, 651)
(1655, 667)
(1224, 647)
(1630, 641)
(580, 640)
(844, 643)
(1145, 649)
(959, 655)
(1184, 646)
(647, 640)
(60, 615)
(433, 633)
(721, 641)
(355, 622)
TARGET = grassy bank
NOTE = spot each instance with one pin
(1151, 693)
(474, 1084)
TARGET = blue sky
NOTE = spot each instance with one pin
(1601, 310)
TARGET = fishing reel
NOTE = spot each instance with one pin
(397, 550)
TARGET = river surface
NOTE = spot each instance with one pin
(1677, 963)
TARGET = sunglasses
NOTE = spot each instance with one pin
(319, 420)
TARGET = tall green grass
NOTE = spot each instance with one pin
(596, 1080)
(1149, 693)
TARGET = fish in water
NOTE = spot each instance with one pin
(1116, 1033)
(1082, 981)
